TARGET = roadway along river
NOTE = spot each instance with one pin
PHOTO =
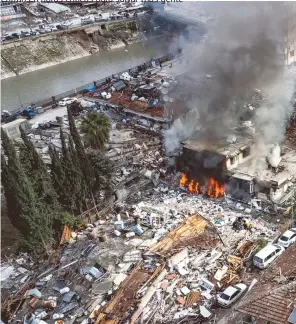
(33, 86)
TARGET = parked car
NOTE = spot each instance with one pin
(41, 31)
(99, 18)
(86, 21)
(35, 33)
(61, 27)
(25, 33)
(66, 101)
(47, 30)
(53, 28)
(231, 294)
(267, 255)
(288, 238)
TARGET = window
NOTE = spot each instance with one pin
(246, 152)
(269, 256)
(233, 160)
(292, 53)
(225, 297)
(284, 238)
(235, 294)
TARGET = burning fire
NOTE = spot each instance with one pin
(214, 189)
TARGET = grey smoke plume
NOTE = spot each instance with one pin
(242, 53)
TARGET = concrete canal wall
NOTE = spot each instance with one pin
(34, 53)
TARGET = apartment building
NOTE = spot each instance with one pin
(290, 39)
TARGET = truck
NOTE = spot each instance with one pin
(28, 113)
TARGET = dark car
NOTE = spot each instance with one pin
(9, 37)
(25, 33)
(61, 27)
(34, 32)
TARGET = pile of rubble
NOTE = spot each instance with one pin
(165, 258)
(142, 90)
(138, 160)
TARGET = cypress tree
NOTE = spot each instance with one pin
(57, 174)
(38, 174)
(103, 171)
(76, 137)
(74, 180)
(84, 162)
(29, 216)
(10, 193)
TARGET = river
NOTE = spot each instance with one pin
(45, 83)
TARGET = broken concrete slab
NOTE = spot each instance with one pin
(102, 287)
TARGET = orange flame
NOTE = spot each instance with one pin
(183, 180)
(192, 185)
(213, 190)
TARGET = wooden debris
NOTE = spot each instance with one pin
(193, 298)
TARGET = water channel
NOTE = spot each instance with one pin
(34, 86)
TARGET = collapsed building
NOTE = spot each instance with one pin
(231, 162)
(231, 138)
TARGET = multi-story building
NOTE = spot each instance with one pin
(10, 10)
(290, 39)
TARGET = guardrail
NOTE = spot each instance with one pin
(49, 101)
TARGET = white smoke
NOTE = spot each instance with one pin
(274, 156)
(242, 53)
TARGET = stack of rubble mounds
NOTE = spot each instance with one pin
(137, 161)
(164, 258)
(141, 91)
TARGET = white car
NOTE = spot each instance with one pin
(288, 238)
(66, 101)
(231, 294)
(53, 27)
(267, 255)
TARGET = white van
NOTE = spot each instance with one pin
(267, 255)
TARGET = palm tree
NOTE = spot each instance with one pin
(95, 128)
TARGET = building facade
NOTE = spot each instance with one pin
(290, 39)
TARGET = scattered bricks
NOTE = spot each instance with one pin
(181, 300)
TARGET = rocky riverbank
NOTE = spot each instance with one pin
(28, 55)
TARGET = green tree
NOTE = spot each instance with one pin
(29, 214)
(103, 171)
(95, 128)
(59, 179)
(74, 179)
(84, 163)
(10, 191)
(38, 174)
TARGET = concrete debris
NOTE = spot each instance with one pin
(204, 312)
(157, 252)
(174, 269)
